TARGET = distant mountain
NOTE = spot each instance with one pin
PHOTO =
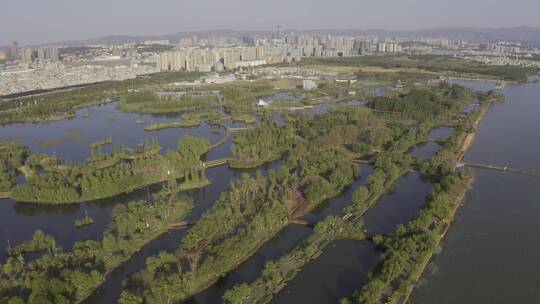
(527, 35)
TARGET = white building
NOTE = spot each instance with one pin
(309, 84)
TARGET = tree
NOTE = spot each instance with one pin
(237, 295)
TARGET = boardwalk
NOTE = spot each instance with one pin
(182, 224)
(499, 168)
(217, 162)
(303, 222)
(224, 139)
(237, 129)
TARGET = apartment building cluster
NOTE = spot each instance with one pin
(213, 59)
(314, 45)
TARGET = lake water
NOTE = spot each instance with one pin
(491, 252)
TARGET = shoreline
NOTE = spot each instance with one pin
(466, 143)
(440, 237)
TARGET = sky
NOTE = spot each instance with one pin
(40, 21)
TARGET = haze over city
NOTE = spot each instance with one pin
(35, 21)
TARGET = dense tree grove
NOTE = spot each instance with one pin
(241, 98)
(12, 156)
(7, 177)
(58, 276)
(255, 146)
(39, 242)
(107, 175)
(424, 103)
(148, 102)
(78, 184)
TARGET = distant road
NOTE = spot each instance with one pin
(47, 91)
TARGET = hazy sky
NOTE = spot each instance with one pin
(38, 21)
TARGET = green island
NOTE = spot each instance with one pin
(171, 125)
(148, 102)
(101, 143)
(84, 221)
(108, 175)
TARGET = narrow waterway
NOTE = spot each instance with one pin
(248, 271)
(398, 205)
(491, 252)
(337, 273)
(110, 291)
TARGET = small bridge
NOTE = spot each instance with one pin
(499, 168)
(4, 195)
(362, 161)
(224, 139)
(217, 162)
(182, 224)
(237, 129)
(303, 222)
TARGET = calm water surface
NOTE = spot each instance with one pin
(398, 205)
(426, 150)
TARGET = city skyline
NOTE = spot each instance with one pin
(29, 23)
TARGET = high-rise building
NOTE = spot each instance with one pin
(388, 47)
(48, 54)
(14, 51)
(27, 55)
